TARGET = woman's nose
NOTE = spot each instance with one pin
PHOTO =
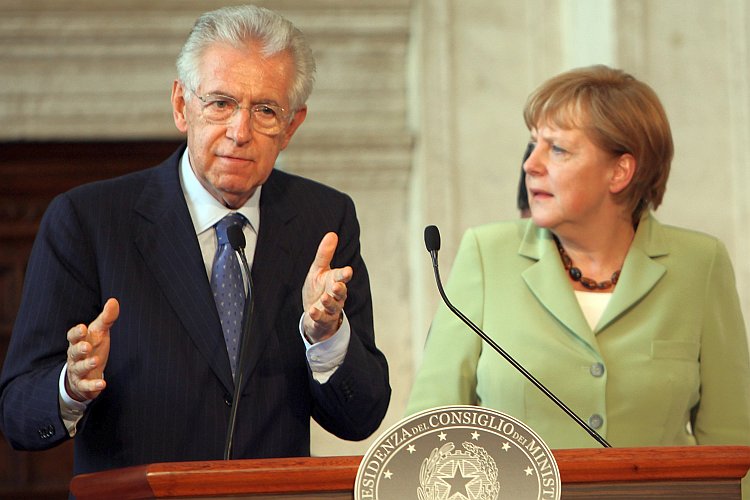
(533, 165)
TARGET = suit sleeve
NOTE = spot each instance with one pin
(58, 294)
(354, 401)
(723, 414)
(447, 375)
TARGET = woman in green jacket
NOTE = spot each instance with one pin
(635, 325)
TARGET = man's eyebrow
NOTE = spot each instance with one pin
(222, 93)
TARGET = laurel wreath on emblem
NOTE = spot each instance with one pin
(489, 486)
(427, 471)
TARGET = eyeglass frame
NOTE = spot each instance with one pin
(285, 116)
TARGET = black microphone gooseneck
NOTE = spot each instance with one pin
(432, 242)
(237, 240)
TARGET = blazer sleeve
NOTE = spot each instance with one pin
(447, 374)
(723, 414)
(353, 402)
(60, 265)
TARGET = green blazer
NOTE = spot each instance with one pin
(667, 363)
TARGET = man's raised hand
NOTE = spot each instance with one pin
(324, 292)
(88, 351)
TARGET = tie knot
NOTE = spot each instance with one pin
(233, 219)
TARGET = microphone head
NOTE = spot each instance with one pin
(432, 238)
(236, 237)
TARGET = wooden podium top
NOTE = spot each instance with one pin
(295, 476)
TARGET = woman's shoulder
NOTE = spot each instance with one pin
(679, 237)
(683, 246)
(501, 230)
(502, 234)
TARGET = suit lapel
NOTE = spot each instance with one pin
(170, 248)
(273, 263)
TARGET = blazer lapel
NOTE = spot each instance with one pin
(272, 264)
(548, 281)
(640, 271)
(169, 246)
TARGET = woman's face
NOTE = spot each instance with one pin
(570, 181)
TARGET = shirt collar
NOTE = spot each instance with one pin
(205, 210)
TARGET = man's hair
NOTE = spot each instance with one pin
(236, 26)
(618, 114)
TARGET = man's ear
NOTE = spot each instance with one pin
(299, 117)
(178, 106)
(622, 173)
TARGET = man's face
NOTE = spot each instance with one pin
(232, 159)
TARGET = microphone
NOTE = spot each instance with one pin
(237, 241)
(432, 242)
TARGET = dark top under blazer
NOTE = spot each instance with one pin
(169, 383)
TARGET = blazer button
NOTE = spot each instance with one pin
(596, 421)
(597, 370)
(347, 391)
(46, 432)
(228, 400)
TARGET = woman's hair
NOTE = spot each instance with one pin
(238, 25)
(618, 114)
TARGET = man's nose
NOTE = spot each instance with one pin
(240, 126)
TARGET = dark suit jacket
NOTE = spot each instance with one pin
(169, 385)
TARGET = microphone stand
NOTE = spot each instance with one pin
(237, 240)
(432, 242)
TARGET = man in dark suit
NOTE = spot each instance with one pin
(150, 378)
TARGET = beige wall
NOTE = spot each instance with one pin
(417, 112)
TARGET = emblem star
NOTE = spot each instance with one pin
(387, 474)
(506, 446)
(475, 435)
(458, 482)
(442, 436)
(411, 449)
(529, 471)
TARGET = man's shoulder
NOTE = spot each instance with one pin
(281, 178)
(286, 185)
(135, 182)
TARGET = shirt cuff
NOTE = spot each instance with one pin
(71, 410)
(325, 357)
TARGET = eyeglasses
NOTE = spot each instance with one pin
(220, 109)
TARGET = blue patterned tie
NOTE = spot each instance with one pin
(228, 287)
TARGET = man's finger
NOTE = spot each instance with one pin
(79, 350)
(326, 249)
(107, 317)
(338, 291)
(76, 333)
(343, 274)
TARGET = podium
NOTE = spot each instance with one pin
(705, 472)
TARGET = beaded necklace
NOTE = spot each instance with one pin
(576, 274)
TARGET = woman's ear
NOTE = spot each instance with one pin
(622, 173)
